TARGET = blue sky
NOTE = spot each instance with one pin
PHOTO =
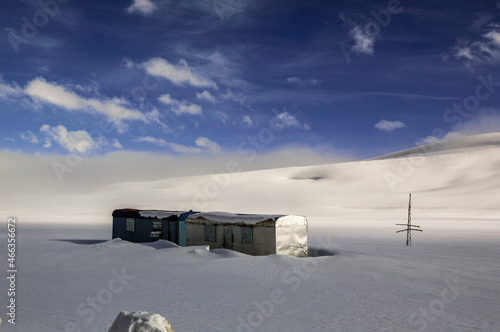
(357, 78)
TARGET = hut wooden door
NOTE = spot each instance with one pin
(228, 237)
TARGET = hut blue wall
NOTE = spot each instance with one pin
(173, 228)
(142, 230)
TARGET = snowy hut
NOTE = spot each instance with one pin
(252, 234)
(150, 225)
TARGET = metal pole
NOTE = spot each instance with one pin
(408, 232)
(409, 226)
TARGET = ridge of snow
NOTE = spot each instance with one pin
(456, 145)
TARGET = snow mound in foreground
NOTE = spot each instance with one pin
(161, 244)
(140, 321)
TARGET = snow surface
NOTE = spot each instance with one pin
(73, 277)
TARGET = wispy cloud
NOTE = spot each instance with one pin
(179, 74)
(364, 41)
(300, 81)
(433, 140)
(482, 19)
(287, 120)
(73, 141)
(145, 7)
(180, 106)
(52, 93)
(247, 120)
(154, 116)
(485, 49)
(389, 125)
(29, 136)
(207, 96)
(401, 95)
(203, 145)
(484, 120)
(223, 117)
(7, 91)
(237, 97)
(227, 8)
(227, 69)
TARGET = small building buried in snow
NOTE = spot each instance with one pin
(252, 234)
(150, 225)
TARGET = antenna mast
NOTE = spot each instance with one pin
(409, 226)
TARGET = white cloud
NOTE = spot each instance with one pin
(60, 96)
(363, 43)
(208, 145)
(180, 106)
(145, 7)
(247, 120)
(54, 94)
(30, 137)
(153, 140)
(116, 144)
(179, 74)
(389, 125)
(296, 80)
(207, 96)
(486, 49)
(47, 143)
(360, 31)
(203, 144)
(73, 141)
(286, 120)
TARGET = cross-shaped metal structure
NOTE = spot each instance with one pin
(409, 226)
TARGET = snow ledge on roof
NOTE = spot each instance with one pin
(158, 214)
(234, 218)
